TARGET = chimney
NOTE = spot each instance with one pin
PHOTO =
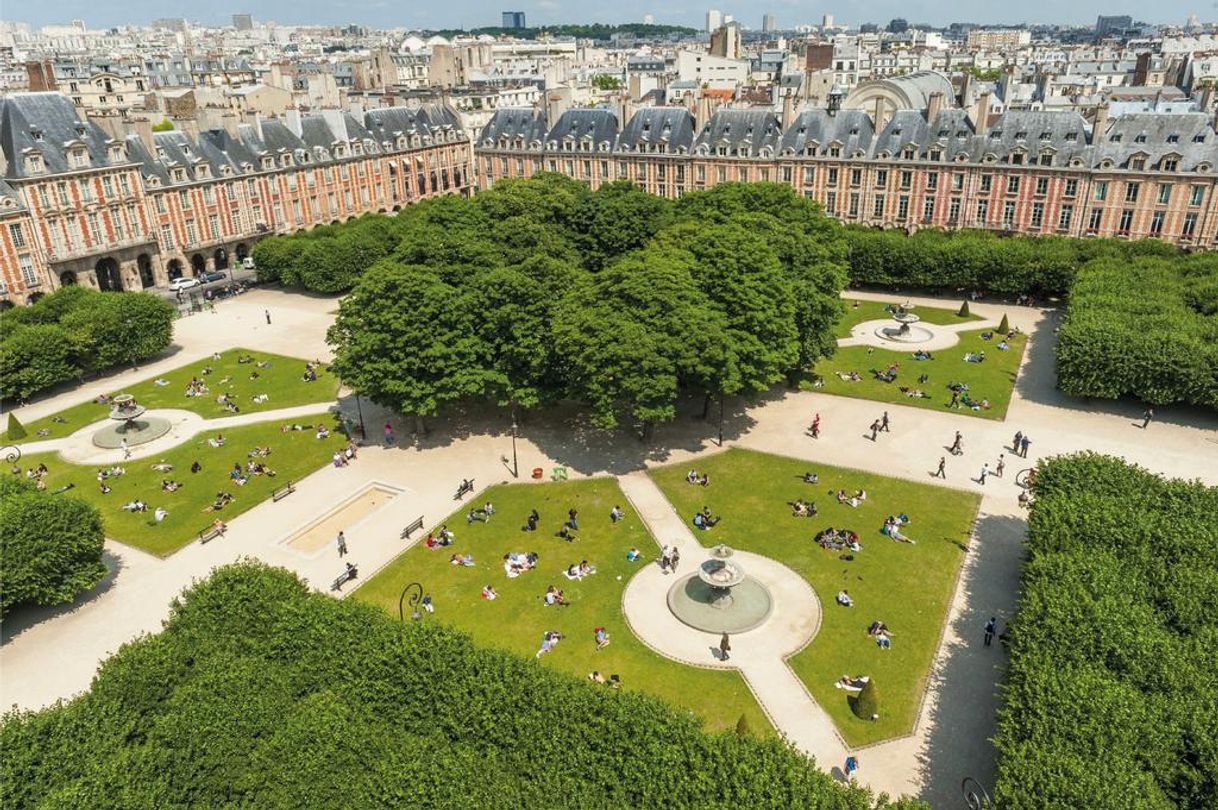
(934, 107)
(788, 110)
(142, 127)
(704, 113)
(291, 120)
(981, 116)
(1100, 124)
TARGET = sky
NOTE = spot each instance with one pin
(474, 13)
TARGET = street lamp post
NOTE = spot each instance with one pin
(360, 411)
(12, 453)
(975, 797)
(720, 421)
(131, 356)
(415, 589)
(515, 466)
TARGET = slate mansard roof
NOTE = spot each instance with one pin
(1062, 138)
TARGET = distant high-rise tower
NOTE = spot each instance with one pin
(768, 24)
(243, 22)
(1113, 24)
(713, 20)
(826, 21)
(513, 19)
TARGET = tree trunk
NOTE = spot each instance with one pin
(420, 428)
(706, 401)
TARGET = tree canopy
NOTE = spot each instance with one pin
(259, 693)
(539, 290)
(1112, 688)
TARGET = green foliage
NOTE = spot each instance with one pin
(76, 331)
(1004, 325)
(606, 81)
(15, 430)
(963, 312)
(50, 546)
(1147, 328)
(866, 705)
(1113, 682)
(958, 260)
(539, 290)
(260, 694)
(164, 125)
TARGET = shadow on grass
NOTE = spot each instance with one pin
(964, 719)
(24, 617)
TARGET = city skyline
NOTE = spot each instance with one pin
(478, 14)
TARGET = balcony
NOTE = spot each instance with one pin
(70, 253)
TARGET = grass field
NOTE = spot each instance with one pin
(906, 586)
(518, 618)
(282, 382)
(993, 379)
(874, 311)
(294, 455)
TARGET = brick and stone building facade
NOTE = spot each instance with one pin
(108, 203)
(1032, 172)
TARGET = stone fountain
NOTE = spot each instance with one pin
(131, 422)
(906, 330)
(720, 597)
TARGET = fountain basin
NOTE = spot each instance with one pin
(701, 606)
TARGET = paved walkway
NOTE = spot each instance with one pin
(52, 653)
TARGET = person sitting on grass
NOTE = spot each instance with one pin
(811, 478)
(844, 599)
(704, 520)
(876, 628)
(196, 467)
(159, 514)
(922, 354)
(691, 477)
(883, 640)
(466, 560)
(704, 481)
(163, 466)
(218, 441)
(596, 677)
(802, 509)
(135, 506)
(633, 555)
(601, 636)
(565, 533)
(105, 490)
(169, 485)
(488, 592)
(434, 542)
(530, 525)
(323, 432)
(854, 684)
(548, 642)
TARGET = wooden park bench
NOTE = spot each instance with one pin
(417, 525)
(342, 579)
(212, 532)
(283, 492)
(467, 485)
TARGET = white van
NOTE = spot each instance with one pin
(248, 263)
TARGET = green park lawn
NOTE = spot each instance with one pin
(993, 379)
(906, 586)
(517, 620)
(294, 455)
(859, 311)
(282, 382)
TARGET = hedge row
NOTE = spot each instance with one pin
(1111, 693)
(50, 545)
(1147, 328)
(77, 331)
(260, 694)
(979, 260)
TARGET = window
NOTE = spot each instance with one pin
(1042, 186)
(209, 195)
(184, 200)
(856, 177)
(928, 209)
(906, 179)
(957, 182)
(1071, 188)
(26, 263)
(1131, 192)
(987, 182)
(1190, 225)
(16, 233)
(953, 210)
(1195, 195)
(833, 177)
(1137, 164)
(1045, 158)
(1126, 221)
(213, 225)
(167, 237)
(903, 207)
(1101, 190)
(878, 210)
(983, 210)
(1038, 215)
(854, 205)
(1169, 164)
(809, 174)
(1163, 194)
(124, 184)
(95, 232)
(881, 178)
(1008, 214)
(1012, 185)
(86, 191)
(192, 235)
(1094, 219)
(831, 202)
(1064, 217)
(136, 226)
(932, 180)
(116, 221)
(1156, 223)
(107, 186)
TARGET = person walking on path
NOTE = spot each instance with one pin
(725, 647)
(267, 313)
(940, 473)
(957, 447)
(1023, 446)
(875, 429)
(852, 765)
(1002, 465)
(1147, 415)
(674, 558)
(884, 423)
(815, 426)
(665, 556)
(341, 540)
(1015, 442)
(991, 627)
(126, 449)
(985, 470)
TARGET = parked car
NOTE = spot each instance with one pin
(248, 263)
(183, 283)
(212, 275)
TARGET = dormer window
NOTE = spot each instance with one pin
(1169, 164)
(1072, 136)
(37, 133)
(1141, 138)
(179, 175)
(186, 149)
(1045, 136)
(996, 134)
(943, 133)
(1174, 137)
(1137, 163)
(936, 154)
(1199, 137)
(1116, 138)
(1021, 136)
(34, 164)
(80, 158)
(268, 162)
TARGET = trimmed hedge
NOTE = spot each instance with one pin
(50, 546)
(979, 260)
(1111, 693)
(259, 693)
(1147, 328)
(76, 331)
